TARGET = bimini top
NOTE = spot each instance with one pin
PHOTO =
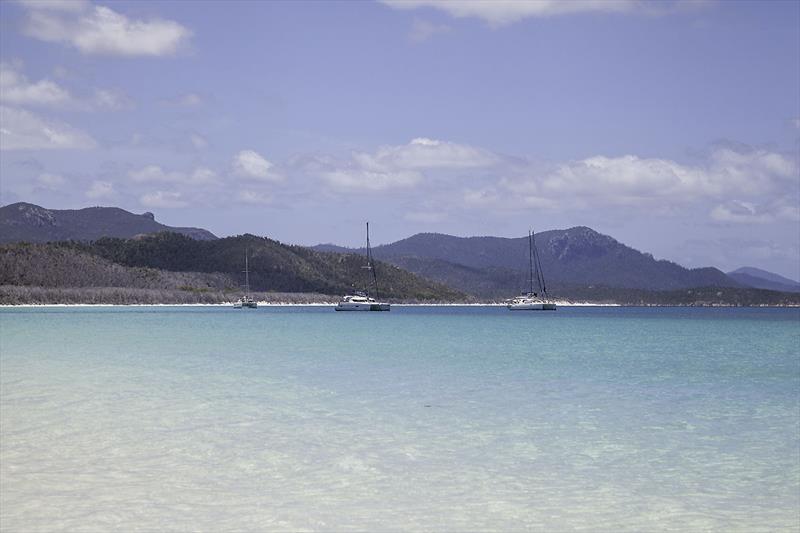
(358, 297)
(530, 297)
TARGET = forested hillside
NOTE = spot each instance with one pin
(48, 265)
(172, 261)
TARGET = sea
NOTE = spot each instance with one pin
(420, 419)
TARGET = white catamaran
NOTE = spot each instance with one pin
(361, 300)
(533, 301)
(246, 301)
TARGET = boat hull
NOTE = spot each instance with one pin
(532, 307)
(362, 306)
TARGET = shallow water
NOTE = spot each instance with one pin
(624, 419)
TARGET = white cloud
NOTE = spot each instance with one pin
(100, 189)
(56, 5)
(111, 100)
(364, 180)
(251, 164)
(203, 175)
(154, 173)
(483, 197)
(393, 166)
(398, 166)
(468, 177)
(422, 30)
(752, 171)
(23, 130)
(101, 30)
(16, 89)
(735, 211)
(648, 182)
(626, 178)
(163, 199)
(729, 184)
(254, 198)
(501, 12)
(424, 153)
(50, 181)
(751, 213)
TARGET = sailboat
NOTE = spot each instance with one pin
(361, 300)
(533, 301)
(246, 301)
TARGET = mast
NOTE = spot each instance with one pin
(246, 275)
(539, 273)
(370, 265)
(530, 260)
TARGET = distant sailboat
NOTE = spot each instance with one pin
(361, 300)
(533, 301)
(246, 301)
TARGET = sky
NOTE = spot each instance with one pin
(672, 126)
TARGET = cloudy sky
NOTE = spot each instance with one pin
(673, 127)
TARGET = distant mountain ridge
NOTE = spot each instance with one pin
(762, 279)
(32, 223)
(82, 262)
(578, 256)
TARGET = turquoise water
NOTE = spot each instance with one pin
(436, 419)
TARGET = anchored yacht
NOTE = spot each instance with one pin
(530, 302)
(533, 301)
(246, 301)
(361, 300)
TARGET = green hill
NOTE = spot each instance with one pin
(174, 261)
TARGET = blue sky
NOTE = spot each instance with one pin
(672, 126)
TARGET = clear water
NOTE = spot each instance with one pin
(435, 419)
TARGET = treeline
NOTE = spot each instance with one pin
(16, 295)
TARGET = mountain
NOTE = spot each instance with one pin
(762, 279)
(23, 222)
(155, 262)
(571, 258)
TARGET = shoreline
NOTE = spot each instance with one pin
(34, 296)
(310, 304)
(332, 304)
